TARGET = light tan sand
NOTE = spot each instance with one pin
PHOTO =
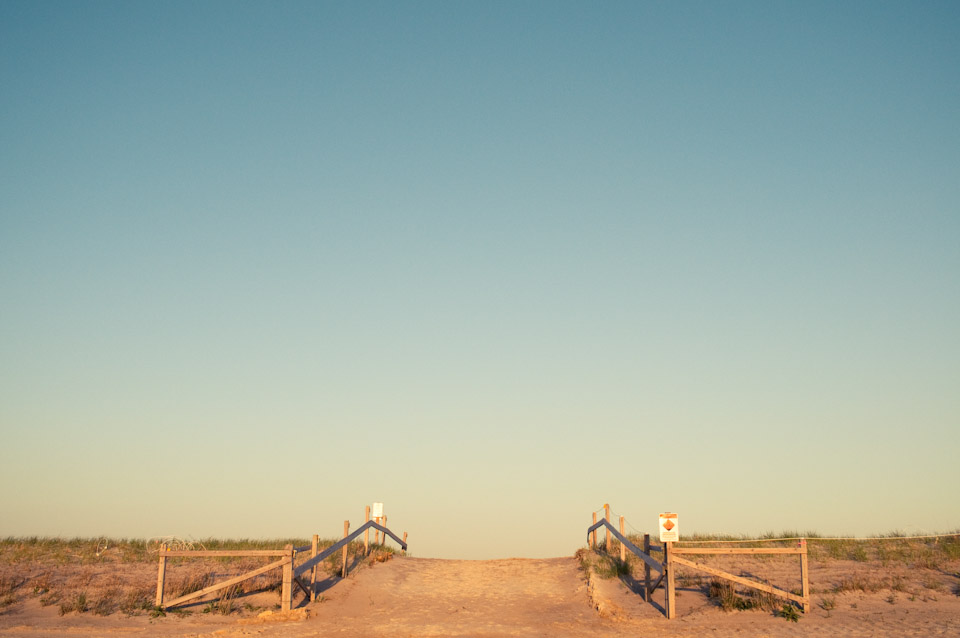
(526, 597)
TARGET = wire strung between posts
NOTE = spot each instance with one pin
(823, 538)
(613, 516)
(632, 527)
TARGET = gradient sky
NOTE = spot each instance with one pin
(492, 264)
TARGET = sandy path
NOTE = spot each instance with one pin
(428, 597)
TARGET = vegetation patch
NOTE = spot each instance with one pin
(724, 594)
(789, 612)
(603, 565)
(76, 602)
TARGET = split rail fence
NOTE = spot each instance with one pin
(293, 574)
(672, 558)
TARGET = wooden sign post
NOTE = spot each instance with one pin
(378, 518)
(670, 598)
(670, 533)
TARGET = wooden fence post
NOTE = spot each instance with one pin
(404, 542)
(805, 576)
(593, 534)
(671, 597)
(623, 548)
(646, 569)
(366, 534)
(161, 574)
(606, 532)
(315, 549)
(286, 589)
(346, 532)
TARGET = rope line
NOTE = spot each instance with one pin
(615, 516)
(632, 527)
(824, 538)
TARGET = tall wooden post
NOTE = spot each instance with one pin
(315, 549)
(346, 532)
(286, 588)
(805, 575)
(623, 548)
(366, 534)
(593, 534)
(404, 542)
(671, 597)
(606, 532)
(376, 532)
(646, 569)
(161, 574)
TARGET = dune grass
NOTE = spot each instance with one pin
(69, 572)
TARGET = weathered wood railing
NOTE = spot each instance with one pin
(286, 559)
(650, 563)
(318, 557)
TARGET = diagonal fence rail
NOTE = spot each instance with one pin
(625, 542)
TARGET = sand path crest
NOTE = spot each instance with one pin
(426, 597)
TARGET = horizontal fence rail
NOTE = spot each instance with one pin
(207, 553)
(737, 550)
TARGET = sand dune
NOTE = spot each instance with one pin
(534, 597)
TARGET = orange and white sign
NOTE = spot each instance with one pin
(669, 528)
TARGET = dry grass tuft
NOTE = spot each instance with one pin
(76, 602)
(189, 583)
(725, 595)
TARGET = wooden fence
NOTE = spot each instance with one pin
(286, 560)
(672, 558)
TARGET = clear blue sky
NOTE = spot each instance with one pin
(492, 264)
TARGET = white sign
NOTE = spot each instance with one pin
(669, 528)
(378, 510)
